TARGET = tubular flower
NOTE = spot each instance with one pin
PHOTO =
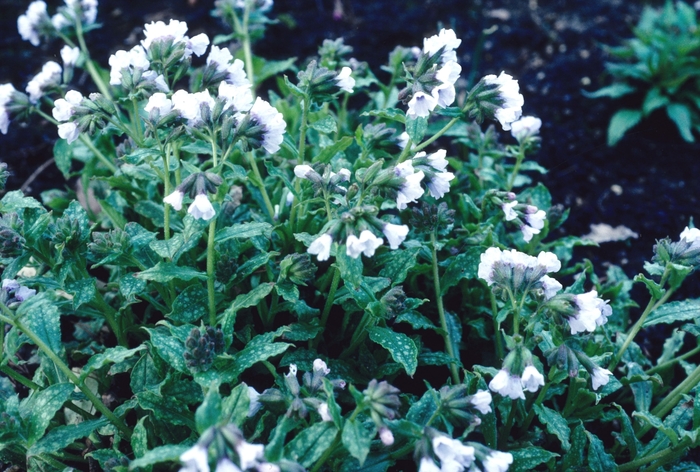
(49, 76)
(421, 105)
(395, 234)
(175, 199)
(410, 191)
(29, 24)
(271, 121)
(344, 81)
(321, 247)
(367, 243)
(446, 39)
(509, 95)
(201, 208)
(591, 313)
(507, 385)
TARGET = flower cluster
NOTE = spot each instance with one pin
(432, 167)
(509, 384)
(50, 76)
(519, 272)
(591, 312)
(529, 218)
(16, 292)
(35, 22)
(511, 101)
(453, 455)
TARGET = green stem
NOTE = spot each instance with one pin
(247, 53)
(302, 150)
(166, 191)
(261, 185)
(637, 463)
(667, 364)
(211, 293)
(516, 168)
(85, 140)
(431, 139)
(92, 70)
(63, 367)
(505, 434)
(136, 121)
(331, 297)
(441, 312)
(500, 352)
(327, 454)
(531, 410)
(653, 305)
(672, 399)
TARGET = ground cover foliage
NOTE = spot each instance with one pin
(340, 294)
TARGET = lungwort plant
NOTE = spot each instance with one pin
(288, 266)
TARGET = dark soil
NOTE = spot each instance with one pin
(645, 183)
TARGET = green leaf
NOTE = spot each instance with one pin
(391, 114)
(252, 264)
(655, 290)
(63, 155)
(40, 314)
(680, 115)
(209, 412)
(110, 355)
(169, 453)
(674, 311)
(525, 460)
(168, 408)
(169, 348)
(350, 269)
(612, 91)
(260, 348)
(167, 271)
(402, 348)
(59, 438)
(622, 121)
(416, 320)
(235, 407)
(41, 407)
(628, 434)
(656, 423)
(251, 298)
(555, 424)
(15, 200)
(357, 439)
(653, 100)
(598, 459)
(271, 68)
(190, 305)
(325, 125)
(328, 152)
(145, 374)
(422, 410)
(308, 446)
(416, 128)
(83, 291)
(462, 266)
(139, 440)
(243, 231)
(396, 264)
(574, 458)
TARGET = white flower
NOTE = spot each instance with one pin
(550, 286)
(507, 384)
(196, 459)
(691, 235)
(158, 30)
(221, 59)
(439, 184)
(395, 234)
(321, 367)
(410, 191)
(428, 465)
(69, 55)
(321, 247)
(592, 312)
(10, 285)
(189, 105)
(445, 38)
(498, 461)
(23, 293)
(201, 208)
(136, 57)
(481, 400)
(444, 94)
(535, 222)
(600, 377)
(488, 259)
(226, 465)
(549, 261)
(437, 160)
(29, 22)
(254, 405)
(449, 73)
(272, 122)
(63, 108)
(238, 97)
(528, 232)
(421, 105)
(509, 211)
(343, 175)
(159, 101)
(403, 140)
(386, 436)
(6, 92)
(512, 101)
(344, 81)
(452, 453)
(66, 17)
(301, 171)
(532, 379)
(323, 412)
(197, 45)
(175, 200)
(50, 75)
(404, 168)
(68, 131)
(249, 454)
(525, 127)
(367, 243)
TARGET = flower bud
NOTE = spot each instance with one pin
(298, 268)
(394, 301)
(382, 399)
